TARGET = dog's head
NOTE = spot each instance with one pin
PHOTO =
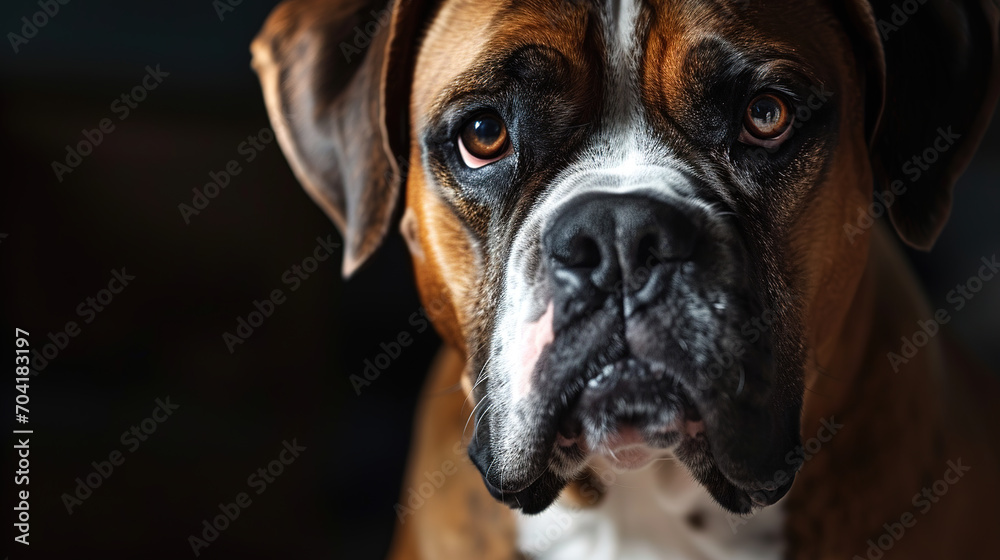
(639, 218)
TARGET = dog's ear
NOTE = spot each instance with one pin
(932, 73)
(336, 79)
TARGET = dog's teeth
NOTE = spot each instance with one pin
(606, 371)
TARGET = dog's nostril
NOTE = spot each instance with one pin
(585, 253)
(648, 248)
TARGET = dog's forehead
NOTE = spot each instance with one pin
(672, 40)
(466, 34)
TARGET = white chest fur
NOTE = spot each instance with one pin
(657, 513)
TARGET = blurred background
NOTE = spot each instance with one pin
(194, 276)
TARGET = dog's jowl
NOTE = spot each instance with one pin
(630, 216)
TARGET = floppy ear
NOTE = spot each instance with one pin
(336, 78)
(931, 86)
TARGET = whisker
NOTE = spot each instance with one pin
(447, 390)
(471, 414)
(488, 469)
(480, 380)
(475, 426)
(815, 392)
(824, 372)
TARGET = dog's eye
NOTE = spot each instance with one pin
(768, 120)
(483, 140)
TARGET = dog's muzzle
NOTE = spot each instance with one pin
(643, 296)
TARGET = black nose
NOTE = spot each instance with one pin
(617, 244)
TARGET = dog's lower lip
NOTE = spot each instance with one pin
(632, 457)
(565, 441)
(632, 437)
(648, 431)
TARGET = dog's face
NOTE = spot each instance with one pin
(633, 213)
(631, 194)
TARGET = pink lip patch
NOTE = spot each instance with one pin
(627, 436)
(627, 449)
(535, 337)
(563, 441)
(694, 428)
(631, 458)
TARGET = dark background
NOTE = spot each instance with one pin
(162, 336)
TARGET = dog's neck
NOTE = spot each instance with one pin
(896, 436)
(885, 306)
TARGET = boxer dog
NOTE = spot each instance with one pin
(644, 230)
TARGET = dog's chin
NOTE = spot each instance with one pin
(629, 416)
(627, 452)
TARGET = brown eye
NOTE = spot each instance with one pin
(768, 117)
(483, 140)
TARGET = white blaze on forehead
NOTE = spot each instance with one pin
(624, 51)
(623, 17)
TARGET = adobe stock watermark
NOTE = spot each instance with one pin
(959, 297)
(218, 180)
(420, 321)
(363, 35)
(122, 107)
(901, 13)
(86, 310)
(213, 527)
(430, 483)
(22, 511)
(33, 23)
(541, 538)
(922, 502)
(132, 439)
(914, 168)
(293, 278)
(794, 459)
(223, 7)
(752, 331)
